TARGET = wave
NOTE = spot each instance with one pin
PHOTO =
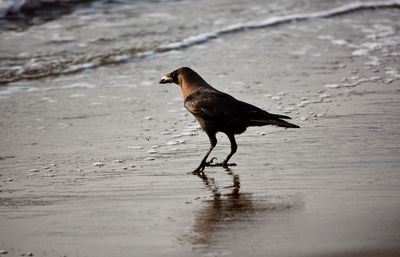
(274, 21)
(13, 9)
(121, 56)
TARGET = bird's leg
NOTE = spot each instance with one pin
(225, 163)
(203, 163)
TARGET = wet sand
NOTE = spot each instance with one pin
(98, 163)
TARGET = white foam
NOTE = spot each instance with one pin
(360, 52)
(78, 67)
(48, 99)
(77, 95)
(303, 103)
(176, 142)
(79, 85)
(57, 38)
(13, 89)
(152, 151)
(374, 61)
(339, 42)
(324, 96)
(98, 164)
(120, 58)
(48, 175)
(189, 41)
(96, 104)
(192, 128)
(348, 8)
(134, 147)
(357, 81)
(393, 72)
(162, 15)
(189, 134)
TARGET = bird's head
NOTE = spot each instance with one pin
(187, 79)
(176, 76)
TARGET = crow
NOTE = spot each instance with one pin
(219, 112)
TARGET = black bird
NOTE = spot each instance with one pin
(219, 112)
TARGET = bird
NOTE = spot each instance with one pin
(217, 111)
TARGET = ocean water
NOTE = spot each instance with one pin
(48, 38)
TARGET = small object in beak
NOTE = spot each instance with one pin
(165, 79)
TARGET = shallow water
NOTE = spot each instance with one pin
(108, 32)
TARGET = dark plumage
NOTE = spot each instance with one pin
(219, 112)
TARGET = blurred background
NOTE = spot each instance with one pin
(40, 38)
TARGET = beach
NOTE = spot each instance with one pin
(98, 162)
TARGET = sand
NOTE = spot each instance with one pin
(98, 163)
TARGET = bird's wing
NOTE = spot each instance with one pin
(209, 104)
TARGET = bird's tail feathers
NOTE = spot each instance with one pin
(274, 122)
(285, 124)
(279, 116)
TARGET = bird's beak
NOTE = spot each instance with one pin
(166, 79)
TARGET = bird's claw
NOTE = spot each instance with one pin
(199, 169)
(226, 165)
(211, 162)
(199, 173)
(221, 164)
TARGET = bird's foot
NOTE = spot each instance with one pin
(211, 162)
(200, 174)
(199, 170)
(226, 165)
(219, 164)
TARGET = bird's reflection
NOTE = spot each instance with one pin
(211, 185)
(221, 210)
(230, 209)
